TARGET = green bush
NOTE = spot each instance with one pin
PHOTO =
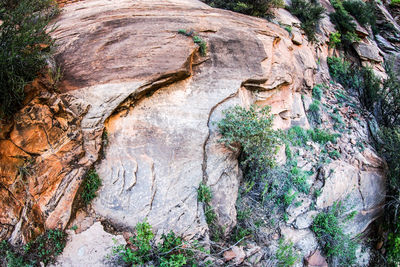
(363, 12)
(90, 185)
(328, 229)
(309, 13)
(251, 131)
(204, 193)
(173, 251)
(344, 23)
(286, 256)
(334, 39)
(25, 43)
(314, 114)
(43, 249)
(197, 40)
(389, 99)
(317, 92)
(258, 8)
(395, 2)
(322, 136)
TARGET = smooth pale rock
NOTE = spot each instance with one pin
(341, 180)
(367, 51)
(300, 205)
(305, 220)
(89, 248)
(304, 240)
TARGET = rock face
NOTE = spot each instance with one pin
(158, 99)
(89, 248)
(128, 72)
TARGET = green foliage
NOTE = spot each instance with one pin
(395, 2)
(23, 34)
(322, 136)
(344, 23)
(90, 185)
(309, 13)
(334, 154)
(298, 136)
(314, 114)
(173, 251)
(286, 256)
(44, 249)
(204, 193)
(390, 150)
(328, 229)
(317, 92)
(363, 12)
(334, 39)
(258, 8)
(251, 130)
(197, 40)
(393, 248)
(289, 29)
(389, 98)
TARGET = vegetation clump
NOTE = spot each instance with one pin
(250, 131)
(25, 44)
(90, 185)
(286, 256)
(344, 23)
(171, 251)
(197, 40)
(328, 228)
(258, 8)
(43, 250)
(309, 12)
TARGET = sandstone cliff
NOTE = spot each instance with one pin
(128, 73)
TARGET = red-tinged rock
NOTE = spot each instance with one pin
(316, 260)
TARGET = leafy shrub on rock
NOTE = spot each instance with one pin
(25, 43)
(344, 23)
(363, 12)
(328, 227)
(173, 251)
(309, 13)
(251, 131)
(258, 8)
(43, 249)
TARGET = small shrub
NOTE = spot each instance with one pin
(364, 12)
(91, 184)
(24, 33)
(43, 249)
(289, 29)
(172, 251)
(328, 229)
(322, 136)
(334, 39)
(395, 2)
(344, 23)
(309, 13)
(197, 40)
(317, 92)
(251, 130)
(204, 193)
(286, 256)
(314, 114)
(297, 136)
(258, 8)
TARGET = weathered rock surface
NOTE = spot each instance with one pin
(158, 109)
(128, 72)
(89, 248)
(40, 166)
